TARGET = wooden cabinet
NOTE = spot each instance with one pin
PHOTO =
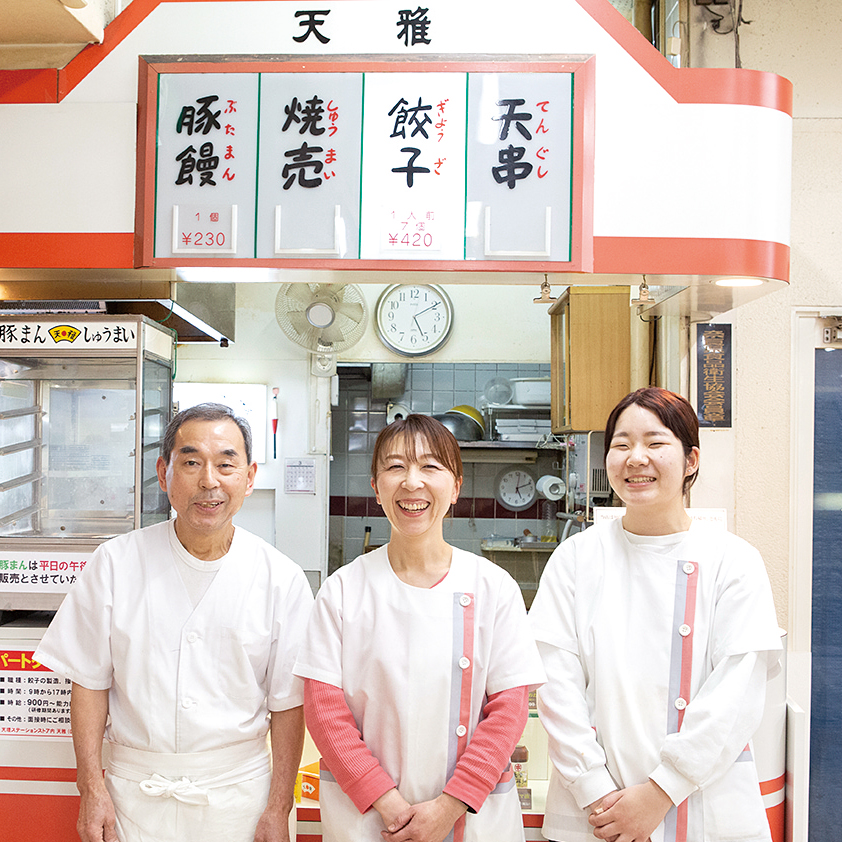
(590, 355)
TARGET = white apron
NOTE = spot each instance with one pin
(209, 796)
(416, 666)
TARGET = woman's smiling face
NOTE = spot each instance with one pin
(646, 462)
(414, 487)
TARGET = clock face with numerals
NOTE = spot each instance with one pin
(515, 489)
(414, 319)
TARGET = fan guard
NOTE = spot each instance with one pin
(323, 318)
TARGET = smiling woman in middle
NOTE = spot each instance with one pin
(417, 665)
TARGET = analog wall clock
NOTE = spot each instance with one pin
(414, 319)
(514, 489)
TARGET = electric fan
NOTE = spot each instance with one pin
(326, 319)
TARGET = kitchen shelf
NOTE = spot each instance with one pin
(498, 451)
(533, 547)
(542, 409)
(506, 451)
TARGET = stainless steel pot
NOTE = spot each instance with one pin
(463, 427)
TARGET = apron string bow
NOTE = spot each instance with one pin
(183, 790)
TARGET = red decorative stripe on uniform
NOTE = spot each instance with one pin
(467, 673)
(465, 694)
(681, 818)
(687, 640)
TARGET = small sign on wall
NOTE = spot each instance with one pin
(713, 375)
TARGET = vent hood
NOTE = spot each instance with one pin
(197, 312)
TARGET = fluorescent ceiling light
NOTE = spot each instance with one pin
(739, 282)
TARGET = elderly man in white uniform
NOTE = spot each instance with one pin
(180, 640)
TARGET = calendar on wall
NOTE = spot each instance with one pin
(300, 476)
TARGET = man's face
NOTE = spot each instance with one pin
(207, 478)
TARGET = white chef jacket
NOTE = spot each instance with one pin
(656, 666)
(182, 679)
(416, 666)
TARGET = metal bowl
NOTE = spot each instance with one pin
(471, 412)
(463, 427)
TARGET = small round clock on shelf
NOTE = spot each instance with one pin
(413, 319)
(515, 488)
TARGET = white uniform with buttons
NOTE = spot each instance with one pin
(416, 666)
(190, 688)
(657, 652)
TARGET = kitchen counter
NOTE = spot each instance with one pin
(525, 564)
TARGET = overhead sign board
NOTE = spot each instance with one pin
(353, 165)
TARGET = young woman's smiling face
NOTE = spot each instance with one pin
(646, 462)
(416, 491)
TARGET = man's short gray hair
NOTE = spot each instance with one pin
(204, 412)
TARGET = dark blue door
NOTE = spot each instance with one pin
(826, 706)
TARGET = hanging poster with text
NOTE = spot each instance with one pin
(713, 375)
(65, 333)
(34, 572)
(34, 702)
(279, 166)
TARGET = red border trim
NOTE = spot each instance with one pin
(612, 255)
(691, 256)
(28, 86)
(774, 785)
(23, 773)
(61, 250)
(777, 821)
(34, 818)
(707, 85)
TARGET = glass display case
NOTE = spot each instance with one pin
(84, 402)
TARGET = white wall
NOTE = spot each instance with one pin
(799, 41)
(494, 324)
(262, 354)
(490, 324)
